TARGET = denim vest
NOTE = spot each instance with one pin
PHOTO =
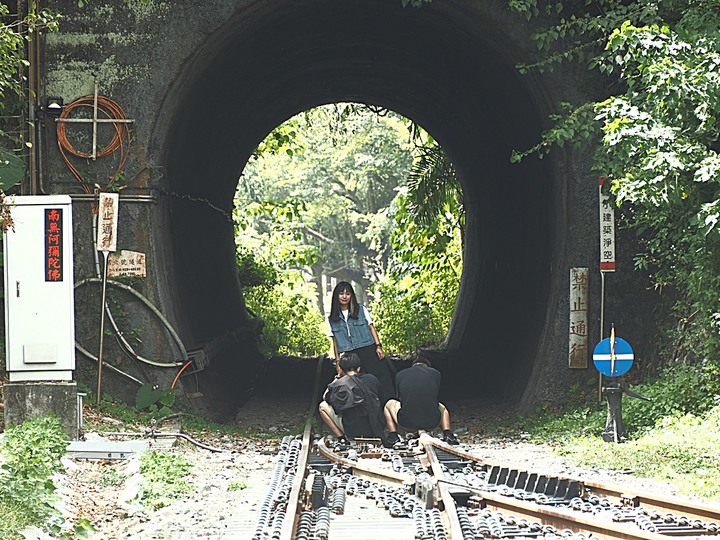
(354, 334)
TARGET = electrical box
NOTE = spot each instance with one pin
(39, 293)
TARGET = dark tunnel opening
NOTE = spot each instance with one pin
(447, 69)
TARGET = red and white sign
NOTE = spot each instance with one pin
(607, 231)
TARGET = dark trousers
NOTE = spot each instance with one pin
(372, 364)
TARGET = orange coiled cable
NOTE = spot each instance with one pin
(120, 141)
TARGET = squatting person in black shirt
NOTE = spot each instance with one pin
(351, 407)
(417, 406)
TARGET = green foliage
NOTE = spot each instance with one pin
(679, 389)
(157, 401)
(253, 271)
(164, 478)
(660, 149)
(574, 125)
(237, 485)
(281, 140)
(577, 32)
(333, 199)
(672, 438)
(343, 210)
(301, 214)
(579, 415)
(127, 414)
(659, 138)
(15, 32)
(13, 37)
(111, 477)
(416, 299)
(408, 316)
(31, 454)
(12, 169)
(433, 187)
(564, 424)
(293, 324)
(277, 292)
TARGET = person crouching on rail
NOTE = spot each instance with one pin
(351, 406)
(417, 405)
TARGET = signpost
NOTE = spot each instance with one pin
(106, 242)
(607, 255)
(613, 357)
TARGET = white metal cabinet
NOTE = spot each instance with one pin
(39, 294)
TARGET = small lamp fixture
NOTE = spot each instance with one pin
(53, 106)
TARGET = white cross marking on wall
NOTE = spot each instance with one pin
(95, 121)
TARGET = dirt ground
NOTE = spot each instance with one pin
(99, 490)
(283, 401)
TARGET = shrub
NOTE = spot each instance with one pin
(164, 478)
(31, 456)
(407, 316)
(293, 324)
(679, 389)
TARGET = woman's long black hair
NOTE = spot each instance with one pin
(353, 308)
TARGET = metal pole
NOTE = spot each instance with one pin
(95, 120)
(102, 325)
(602, 328)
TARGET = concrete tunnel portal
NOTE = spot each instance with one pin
(449, 69)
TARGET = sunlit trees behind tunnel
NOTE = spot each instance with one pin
(326, 196)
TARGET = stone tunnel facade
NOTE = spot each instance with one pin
(205, 82)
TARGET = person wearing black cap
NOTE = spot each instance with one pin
(351, 406)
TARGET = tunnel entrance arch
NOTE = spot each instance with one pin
(447, 67)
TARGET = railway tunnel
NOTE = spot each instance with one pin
(447, 66)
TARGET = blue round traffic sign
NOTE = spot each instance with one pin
(613, 357)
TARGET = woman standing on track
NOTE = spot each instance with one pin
(352, 330)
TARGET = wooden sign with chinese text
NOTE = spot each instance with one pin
(107, 222)
(578, 336)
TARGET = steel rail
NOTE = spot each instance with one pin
(674, 505)
(562, 518)
(449, 508)
(487, 497)
(366, 470)
(625, 497)
(289, 525)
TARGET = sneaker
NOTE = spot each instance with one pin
(450, 438)
(342, 441)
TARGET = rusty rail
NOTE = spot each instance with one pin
(499, 494)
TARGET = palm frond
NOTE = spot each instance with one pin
(433, 187)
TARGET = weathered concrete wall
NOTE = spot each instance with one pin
(27, 400)
(206, 81)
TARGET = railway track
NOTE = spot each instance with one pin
(426, 489)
